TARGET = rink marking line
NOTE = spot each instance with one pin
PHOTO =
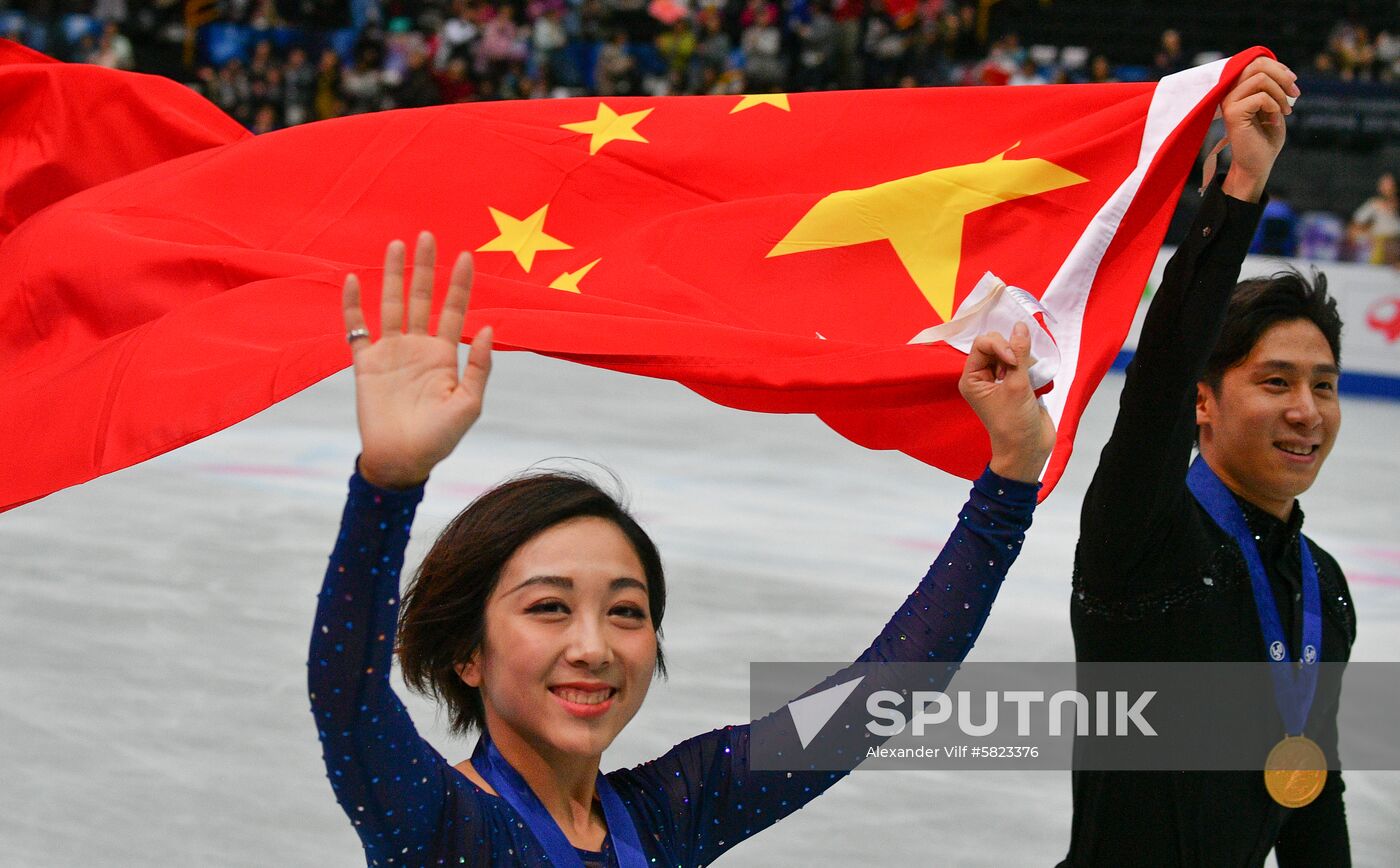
(260, 470)
(1372, 579)
(1379, 553)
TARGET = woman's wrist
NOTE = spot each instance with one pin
(1020, 467)
(389, 477)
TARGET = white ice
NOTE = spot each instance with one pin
(154, 623)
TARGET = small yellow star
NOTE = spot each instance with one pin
(568, 281)
(609, 126)
(777, 100)
(524, 238)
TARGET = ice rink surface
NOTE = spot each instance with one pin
(154, 623)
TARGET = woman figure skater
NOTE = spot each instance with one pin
(535, 618)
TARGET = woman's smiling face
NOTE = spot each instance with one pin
(570, 647)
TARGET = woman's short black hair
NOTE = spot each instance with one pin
(443, 620)
(1261, 303)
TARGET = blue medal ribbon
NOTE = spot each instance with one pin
(1294, 685)
(508, 783)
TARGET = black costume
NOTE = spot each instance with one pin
(1157, 580)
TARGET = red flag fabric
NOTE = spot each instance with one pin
(67, 127)
(164, 275)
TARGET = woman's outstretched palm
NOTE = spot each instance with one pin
(413, 408)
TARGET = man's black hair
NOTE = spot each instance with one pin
(1261, 303)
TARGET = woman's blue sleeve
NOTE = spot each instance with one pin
(703, 789)
(390, 783)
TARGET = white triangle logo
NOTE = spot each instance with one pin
(810, 713)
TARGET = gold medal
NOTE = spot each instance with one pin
(1295, 771)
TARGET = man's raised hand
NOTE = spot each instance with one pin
(1254, 110)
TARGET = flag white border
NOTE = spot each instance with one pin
(1067, 296)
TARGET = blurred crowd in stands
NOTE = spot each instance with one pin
(1372, 234)
(1355, 53)
(259, 62)
(278, 63)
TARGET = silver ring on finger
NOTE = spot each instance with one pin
(355, 334)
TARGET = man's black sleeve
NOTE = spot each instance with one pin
(1138, 489)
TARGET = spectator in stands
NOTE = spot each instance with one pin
(454, 83)
(711, 57)
(926, 63)
(1324, 65)
(886, 46)
(457, 34)
(1028, 73)
(592, 18)
(265, 119)
(1100, 71)
(298, 88)
(113, 49)
(362, 85)
(328, 102)
(261, 61)
(1007, 55)
(765, 66)
(1351, 49)
(205, 82)
(676, 45)
(401, 43)
(231, 91)
(510, 83)
(616, 70)
(1003, 62)
(263, 14)
(502, 43)
(818, 42)
(266, 91)
(1375, 227)
(418, 88)
(1388, 56)
(962, 36)
(848, 15)
(549, 43)
(1170, 58)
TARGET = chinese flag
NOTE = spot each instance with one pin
(163, 274)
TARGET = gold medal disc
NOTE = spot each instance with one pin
(1295, 771)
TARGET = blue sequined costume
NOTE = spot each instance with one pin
(411, 807)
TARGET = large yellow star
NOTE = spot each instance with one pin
(922, 216)
(524, 238)
(749, 100)
(609, 126)
(568, 281)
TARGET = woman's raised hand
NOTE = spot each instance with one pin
(412, 406)
(996, 382)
